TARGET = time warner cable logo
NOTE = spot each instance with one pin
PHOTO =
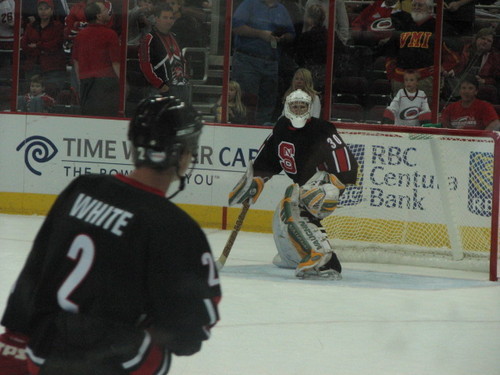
(38, 150)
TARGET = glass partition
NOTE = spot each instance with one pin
(351, 57)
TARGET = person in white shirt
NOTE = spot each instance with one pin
(409, 107)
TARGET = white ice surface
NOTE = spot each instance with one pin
(378, 320)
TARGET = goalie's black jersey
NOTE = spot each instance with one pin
(117, 251)
(301, 152)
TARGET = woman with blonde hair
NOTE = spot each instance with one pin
(302, 79)
(236, 110)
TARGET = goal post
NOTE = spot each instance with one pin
(425, 196)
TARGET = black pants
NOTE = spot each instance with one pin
(99, 96)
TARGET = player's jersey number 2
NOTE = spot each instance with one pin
(82, 251)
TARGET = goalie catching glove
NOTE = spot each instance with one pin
(249, 187)
(320, 195)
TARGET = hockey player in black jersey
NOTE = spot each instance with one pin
(119, 278)
(311, 152)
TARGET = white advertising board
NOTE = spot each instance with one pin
(400, 173)
(42, 154)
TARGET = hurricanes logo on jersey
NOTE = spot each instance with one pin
(382, 24)
(409, 113)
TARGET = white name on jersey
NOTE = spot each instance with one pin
(100, 214)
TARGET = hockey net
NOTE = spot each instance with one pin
(425, 197)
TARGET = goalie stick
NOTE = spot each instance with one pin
(229, 244)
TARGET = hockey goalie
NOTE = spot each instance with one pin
(312, 153)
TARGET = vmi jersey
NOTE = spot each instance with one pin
(123, 257)
(301, 152)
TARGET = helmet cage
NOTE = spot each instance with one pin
(298, 120)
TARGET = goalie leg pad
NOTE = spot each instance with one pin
(298, 236)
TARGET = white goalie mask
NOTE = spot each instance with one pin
(298, 108)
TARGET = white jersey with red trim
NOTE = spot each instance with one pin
(7, 8)
(409, 109)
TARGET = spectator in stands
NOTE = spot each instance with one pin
(36, 100)
(412, 47)
(161, 58)
(76, 19)
(260, 29)
(42, 45)
(374, 24)
(287, 63)
(343, 58)
(302, 79)
(312, 45)
(140, 21)
(96, 56)
(236, 110)
(341, 19)
(470, 112)
(188, 30)
(409, 107)
(479, 59)
(7, 10)
(459, 16)
(30, 10)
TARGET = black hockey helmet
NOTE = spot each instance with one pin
(161, 130)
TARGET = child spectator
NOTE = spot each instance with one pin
(470, 112)
(36, 100)
(236, 110)
(302, 79)
(409, 107)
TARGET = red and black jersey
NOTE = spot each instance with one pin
(114, 258)
(161, 60)
(301, 152)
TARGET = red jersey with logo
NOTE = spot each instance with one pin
(376, 18)
(477, 116)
